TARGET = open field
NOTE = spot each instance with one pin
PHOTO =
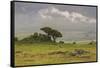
(50, 53)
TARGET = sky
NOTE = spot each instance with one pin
(74, 22)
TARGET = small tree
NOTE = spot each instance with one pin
(44, 38)
(74, 42)
(35, 36)
(92, 42)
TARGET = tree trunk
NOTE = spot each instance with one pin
(54, 39)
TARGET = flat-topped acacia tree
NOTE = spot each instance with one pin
(54, 34)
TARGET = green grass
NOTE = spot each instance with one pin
(41, 53)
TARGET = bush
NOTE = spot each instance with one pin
(61, 42)
(16, 39)
(36, 37)
(92, 42)
(74, 42)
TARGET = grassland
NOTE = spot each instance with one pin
(50, 53)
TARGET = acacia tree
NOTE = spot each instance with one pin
(54, 34)
(47, 30)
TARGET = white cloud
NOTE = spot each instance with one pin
(44, 14)
(74, 17)
(78, 17)
(92, 20)
(62, 13)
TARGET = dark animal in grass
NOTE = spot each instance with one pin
(78, 52)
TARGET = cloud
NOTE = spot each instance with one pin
(44, 14)
(74, 17)
(62, 13)
(92, 20)
(30, 19)
(78, 17)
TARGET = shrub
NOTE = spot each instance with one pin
(16, 39)
(61, 42)
(92, 42)
(74, 42)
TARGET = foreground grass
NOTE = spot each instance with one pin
(46, 53)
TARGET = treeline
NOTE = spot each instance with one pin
(50, 36)
(37, 37)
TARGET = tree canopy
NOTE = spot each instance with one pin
(54, 34)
